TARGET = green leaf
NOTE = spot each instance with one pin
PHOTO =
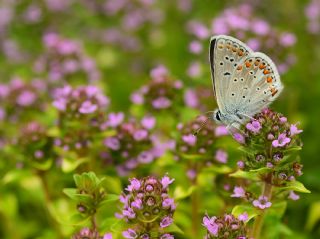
(246, 150)
(252, 174)
(181, 193)
(313, 215)
(46, 165)
(219, 169)
(120, 225)
(292, 149)
(249, 209)
(72, 193)
(69, 165)
(173, 228)
(109, 198)
(112, 184)
(296, 186)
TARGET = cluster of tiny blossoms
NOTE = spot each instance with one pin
(132, 16)
(81, 112)
(148, 208)
(226, 227)
(17, 97)
(161, 93)
(271, 143)
(241, 23)
(132, 143)
(86, 233)
(201, 145)
(35, 142)
(64, 60)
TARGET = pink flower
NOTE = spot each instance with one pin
(26, 98)
(254, 126)
(87, 107)
(161, 103)
(211, 225)
(189, 139)
(221, 156)
(239, 137)
(243, 217)
(148, 122)
(166, 221)
(238, 192)
(294, 130)
(195, 47)
(166, 181)
(191, 99)
(281, 141)
(134, 185)
(221, 130)
(137, 98)
(293, 196)
(130, 234)
(107, 236)
(115, 119)
(262, 202)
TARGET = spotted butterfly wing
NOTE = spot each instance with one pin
(244, 81)
(225, 54)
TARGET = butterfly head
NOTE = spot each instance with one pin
(217, 116)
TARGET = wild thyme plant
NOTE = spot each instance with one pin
(270, 145)
(147, 208)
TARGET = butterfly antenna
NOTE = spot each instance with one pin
(201, 126)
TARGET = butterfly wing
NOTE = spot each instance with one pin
(225, 54)
(254, 84)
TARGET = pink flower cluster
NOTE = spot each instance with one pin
(228, 225)
(161, 93)
(147, 200)
(64, 59)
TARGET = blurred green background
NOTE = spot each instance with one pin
(126, 39)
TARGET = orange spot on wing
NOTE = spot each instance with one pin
(266, 72)
(273, 91)
(240, 53)
(239, 68)
(262, 66)
(248, 64)
(256, 63)
(269, 79)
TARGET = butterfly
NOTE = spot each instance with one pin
(244, 81)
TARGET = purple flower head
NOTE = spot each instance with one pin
(137, 98)
(281, 141)
(221, 156)
(130, 234)
(294, 130)
(115, 119)
(211, 225)
(134, 185)
(26, 98)
(168, 203)
(166, 181)
(145, 157)
(293, 196)
(243, 217)
(240, 164)
(221, 130)
(60, 104)
(238, 192)
(195, 47)
(167, 236)
(148, 122)
(107, 236)
(87, 107)
(239, 137)
(159, 72)
(287, 39)
(189, 139)
(262, 202)
(161, 103)
(166, 221)
(112, 143)
(191, 98)
(254, 126)
(140, 135)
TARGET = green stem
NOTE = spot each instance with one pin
(195, 200)
(48, 202)
(258, 223)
